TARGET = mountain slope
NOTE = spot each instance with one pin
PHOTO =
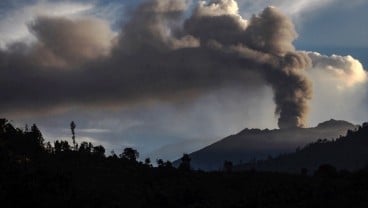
(252, 144)
(349, 152)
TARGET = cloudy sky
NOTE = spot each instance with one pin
(171, 76)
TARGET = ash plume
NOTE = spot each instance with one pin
(266, 41)
(166, 51)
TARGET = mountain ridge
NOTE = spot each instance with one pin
(255, 144)
(347, 152)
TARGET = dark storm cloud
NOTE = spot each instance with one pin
(159, 54)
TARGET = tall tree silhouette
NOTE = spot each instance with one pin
(36, 133)
(72, 128)
(185, 163)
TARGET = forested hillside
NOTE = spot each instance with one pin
(38, 174)
(349, 152)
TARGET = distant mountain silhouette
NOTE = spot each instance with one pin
(349, 152)
(256, 144)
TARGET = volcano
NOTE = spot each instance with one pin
(255, 144)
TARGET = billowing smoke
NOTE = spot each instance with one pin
(347, 70)
(263, 46)
(64, 42)
(340, 87)
(292, 89)
(165, 51)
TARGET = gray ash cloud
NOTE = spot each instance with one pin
(165, 51)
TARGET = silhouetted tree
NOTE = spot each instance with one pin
(160, 163)
(129, 154)
(99, 151)
(185, 163)
(36, 134)
(8, 128)
(61, 146)
(72, 128)
(49, 148)
(65, 146)
(85, 147)
(57, 146)
(168, 164)
(147, 161)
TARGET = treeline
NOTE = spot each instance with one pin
(61, 174)
(27, 145)
(35, 173)
(346, 153)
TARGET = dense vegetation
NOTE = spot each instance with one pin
(349, 152)
(38, 174)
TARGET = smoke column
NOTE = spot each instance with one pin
(265, 42)
(167, 50)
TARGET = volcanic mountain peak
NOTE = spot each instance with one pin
(250, 144)
(333, 123)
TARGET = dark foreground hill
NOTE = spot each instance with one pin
(38, 174)
(349, 152)
(255, 144)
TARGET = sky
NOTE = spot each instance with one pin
(168, 77)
